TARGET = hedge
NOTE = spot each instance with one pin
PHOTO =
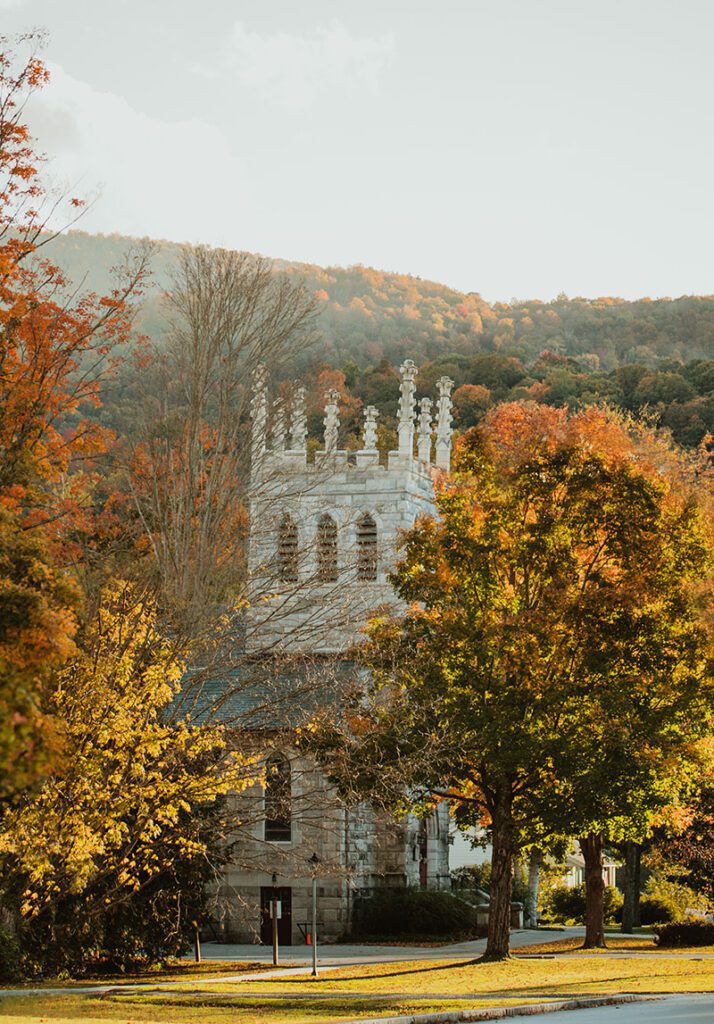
(412, 911)
(695, 932)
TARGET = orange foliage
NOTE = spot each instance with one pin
(54, 348)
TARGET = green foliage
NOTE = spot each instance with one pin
(412, 911)
(571, 352)
(653, 911)
(472, 876)
(670, 894)
(11, 967)
(694, 932)
(566, 904)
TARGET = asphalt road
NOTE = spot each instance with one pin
(672, 1010)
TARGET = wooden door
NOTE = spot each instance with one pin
(285, 925)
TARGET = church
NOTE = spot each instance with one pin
(323, 538)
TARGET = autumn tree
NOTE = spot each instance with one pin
(470, 403)
(693, 846)
(550, 597)
(55, 346)
(124, 809)
(106, 803)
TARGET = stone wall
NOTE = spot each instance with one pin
(358, 849)
(327, 616)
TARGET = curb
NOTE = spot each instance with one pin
(500, 1013)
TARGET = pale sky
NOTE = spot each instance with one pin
(518, 148)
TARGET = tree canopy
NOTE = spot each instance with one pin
(554, 654)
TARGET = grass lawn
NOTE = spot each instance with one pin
(369, 990)
(615, 943)
(515, 979)
(73, 1009)
(179, 970)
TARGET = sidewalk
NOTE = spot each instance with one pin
(339, 954)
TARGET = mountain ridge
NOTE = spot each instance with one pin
(368, 315)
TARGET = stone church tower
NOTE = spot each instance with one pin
(323, 538)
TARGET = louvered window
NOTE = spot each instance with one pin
(367, 549)
(327, 550)
(288, 550)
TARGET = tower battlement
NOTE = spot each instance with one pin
(277, 452)
(324, 533)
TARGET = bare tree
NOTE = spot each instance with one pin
(188, 470)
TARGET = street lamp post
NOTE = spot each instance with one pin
(274, 921)
(314, 861)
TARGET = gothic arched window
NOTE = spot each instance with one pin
(367, 548)
(327, 549)
(278, 797)
(288, 550)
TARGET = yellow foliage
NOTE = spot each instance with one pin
(128, 772)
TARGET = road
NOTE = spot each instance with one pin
(671, 1010)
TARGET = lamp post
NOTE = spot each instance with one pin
(274, 921)
(314, 861)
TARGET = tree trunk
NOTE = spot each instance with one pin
(631, 902)
(592, 847)
(501, 887)
(534, 863)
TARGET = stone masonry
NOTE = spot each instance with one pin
(324, 535)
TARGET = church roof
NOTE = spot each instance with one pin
(263, 693)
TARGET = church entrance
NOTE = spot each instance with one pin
(285, 924)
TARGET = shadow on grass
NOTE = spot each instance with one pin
(397, 974)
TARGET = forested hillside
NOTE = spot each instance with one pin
(648, 353)
(369, 314)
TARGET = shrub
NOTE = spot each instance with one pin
(565, 903)
(695, 932)
(472, 876)
(655, 911)
(393, 911)
(10, 957)
(672, 894)
(146, 927)
(652, 911)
